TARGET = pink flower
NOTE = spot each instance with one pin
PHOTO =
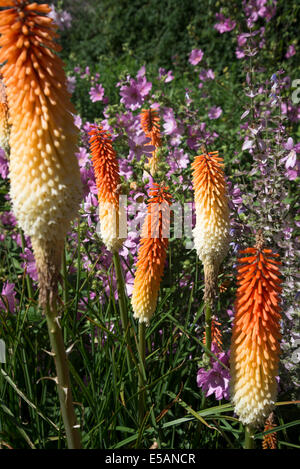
(291, 50)
(195, 56)
(170, 124)
(71, 84)
(292, 164)
(3, 164)
(225, 24)
(133, 94)
(96, 93)
(140, 145)
(205, 75)
(83, 156)
(216, 380)
(8, 295)
(214, 112)
(165, 76)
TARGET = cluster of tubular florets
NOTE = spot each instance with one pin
(44, 172)
(255, 345)
(108, 182)
(152, 254)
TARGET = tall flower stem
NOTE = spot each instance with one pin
(249, 440)
(28, 279)
(208, 320)
(65, 282)
(63, 377)
(142, 373)
(122, 303)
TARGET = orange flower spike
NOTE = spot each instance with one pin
(216, 334)
(255, 346)
(270, 440)
(44, 171)
(108, 182)
(151, 128)
(152, 254)
(211, 233)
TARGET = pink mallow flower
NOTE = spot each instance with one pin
(291, 50)
(165, 76)
(215, 112)
(225, 24)
(216, 380)
(3, 164)
(133, 95)
(96, 93)
(195, 56)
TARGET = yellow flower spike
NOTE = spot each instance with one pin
(152, 254)
(255, 349)
(44, 172)
(211, 233)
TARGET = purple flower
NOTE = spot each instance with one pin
(165, 76)
(177, 160)
(71, 84)
(193, 140)
(96, 93)
(239, 52)
(292, 164)
(170, 124)
(3, 164)
(291, 50)
(8, 295)
(215, 112)
(139, 145)
(225, 24)
(8, 218)
(205, 75)
(62, 18)
(78, 121)
(258, 8)
(216, 380)
(292, 112)
(83, 157)
(131, 95)
(144, 86)
(195, 56)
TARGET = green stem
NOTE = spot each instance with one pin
(28, 279)
(208, 319)
(249, 440)
(63, 377)
(65, 282)
(123, 306)
(121, 291)
(142, 373)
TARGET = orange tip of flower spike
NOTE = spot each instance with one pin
(108, 181)
(152, 254)
(151, 127)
